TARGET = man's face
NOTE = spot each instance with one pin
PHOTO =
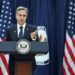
(21, 17)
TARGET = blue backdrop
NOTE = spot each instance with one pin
(51, 14)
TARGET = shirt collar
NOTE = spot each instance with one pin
(22, 25)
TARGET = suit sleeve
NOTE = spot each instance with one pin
(34, 28)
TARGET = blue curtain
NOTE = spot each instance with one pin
(40, 15)
(60, 7)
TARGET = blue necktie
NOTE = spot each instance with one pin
(21, 32)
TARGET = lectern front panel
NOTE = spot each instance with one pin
(23, 68)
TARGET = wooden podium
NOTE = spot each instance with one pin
(23, 67)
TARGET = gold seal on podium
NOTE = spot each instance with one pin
(23, 46)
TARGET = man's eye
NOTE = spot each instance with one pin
(24, 15)
(20, 15)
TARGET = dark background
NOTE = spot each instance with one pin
(51, 14)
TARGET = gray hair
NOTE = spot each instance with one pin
(22, 8)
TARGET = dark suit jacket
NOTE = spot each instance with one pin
(11, 35)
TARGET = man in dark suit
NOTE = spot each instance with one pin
(21, 30)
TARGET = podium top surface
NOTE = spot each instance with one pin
(36, 47)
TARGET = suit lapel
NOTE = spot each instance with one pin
(26, 30)
(15, 35)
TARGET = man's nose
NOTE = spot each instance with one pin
(22, 16)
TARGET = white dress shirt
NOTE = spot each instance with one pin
(18, 28)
